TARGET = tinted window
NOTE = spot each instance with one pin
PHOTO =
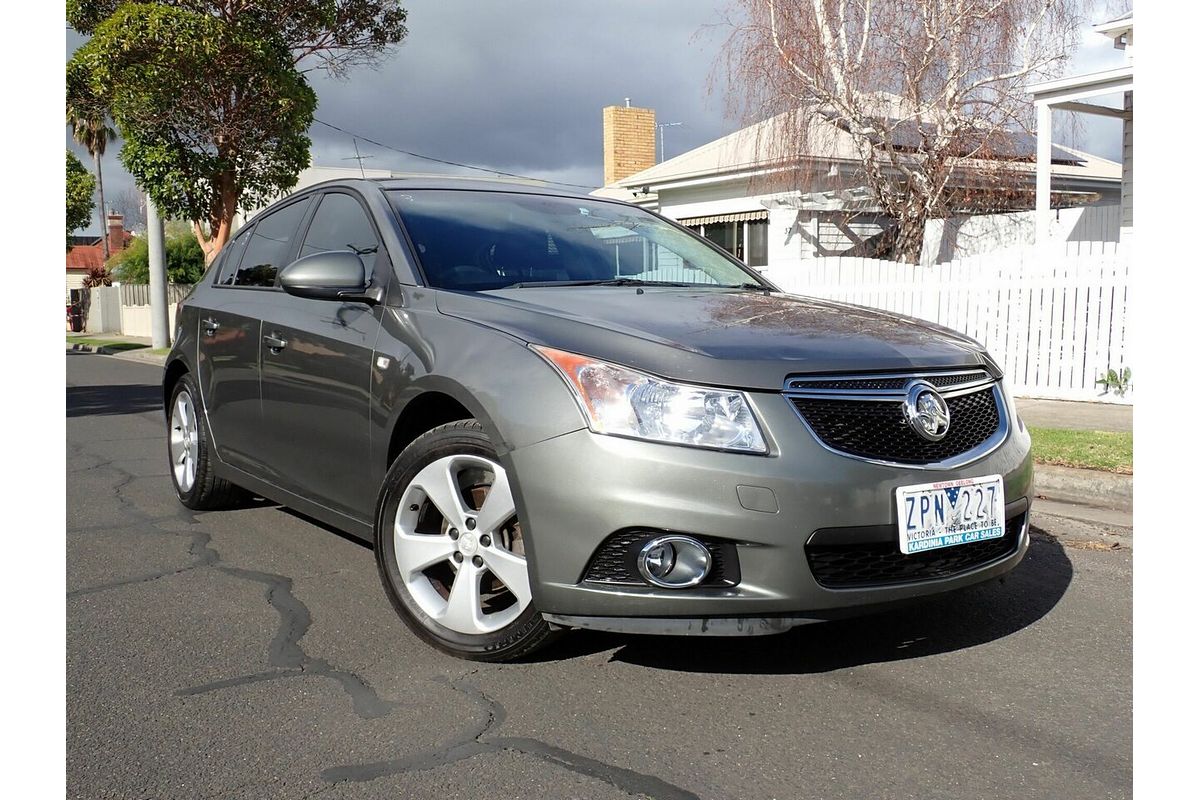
(341, 224)
(488, 240)
(230, 257)
(269, 246)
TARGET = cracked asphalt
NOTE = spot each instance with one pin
(252, 654)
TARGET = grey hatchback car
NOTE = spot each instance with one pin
(549, 411)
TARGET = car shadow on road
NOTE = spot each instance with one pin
(112, 399)
(960, 620)
(349, 537)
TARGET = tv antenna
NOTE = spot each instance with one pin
(359, 157)
(662, 126)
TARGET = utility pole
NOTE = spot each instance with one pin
(160, 334)
(662, 126)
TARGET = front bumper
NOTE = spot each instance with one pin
(575, 490)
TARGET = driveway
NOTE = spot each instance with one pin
(252, 654)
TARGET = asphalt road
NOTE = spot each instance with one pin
(252, 654)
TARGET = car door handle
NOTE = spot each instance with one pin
(274, 343)
(211, 326)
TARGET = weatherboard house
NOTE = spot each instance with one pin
(1084, 94)
(733, 194)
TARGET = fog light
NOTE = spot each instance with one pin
(674, 562)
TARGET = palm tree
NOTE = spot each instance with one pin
(90, 128)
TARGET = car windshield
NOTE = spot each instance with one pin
(480, 240)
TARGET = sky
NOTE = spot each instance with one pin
(518, 85)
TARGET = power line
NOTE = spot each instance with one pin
(445, 161)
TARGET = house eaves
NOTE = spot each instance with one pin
(1094, 169)
(1082, 87)
(1115, 28)
(736, 157)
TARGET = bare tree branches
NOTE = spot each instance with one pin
(915, 93)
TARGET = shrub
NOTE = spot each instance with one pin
(185, 260)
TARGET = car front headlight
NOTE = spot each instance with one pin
(624, 402)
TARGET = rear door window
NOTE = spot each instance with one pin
(270, 245)
(229, 258)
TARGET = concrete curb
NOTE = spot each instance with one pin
(1084, 487)
(139, 355)
(142, 355)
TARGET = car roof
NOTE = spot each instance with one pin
(451, 182)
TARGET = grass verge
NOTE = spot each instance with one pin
(109, 343)
(1101, 450)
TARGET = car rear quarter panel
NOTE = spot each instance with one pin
(183, 349)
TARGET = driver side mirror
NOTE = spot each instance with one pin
(336, 275)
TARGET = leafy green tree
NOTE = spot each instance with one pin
(185, 260)
(210, 96)
(80, 187)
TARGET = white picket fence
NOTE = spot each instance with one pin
(125, 308)
(1056, 321)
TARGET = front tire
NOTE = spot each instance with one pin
(190, 450)
(450, 549)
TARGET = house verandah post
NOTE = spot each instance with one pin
(1042, 204)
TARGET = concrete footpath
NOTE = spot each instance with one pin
(1073, 416)
(1085, 495)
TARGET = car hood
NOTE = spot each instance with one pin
(736, 338)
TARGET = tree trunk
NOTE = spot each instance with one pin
(103, 211)
(910, 236)
(221, 222)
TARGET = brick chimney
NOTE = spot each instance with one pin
(116, 232)
(628, 141)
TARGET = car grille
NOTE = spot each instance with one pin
(863, 565)
(894, 382)
(876, 428)
(615, 561)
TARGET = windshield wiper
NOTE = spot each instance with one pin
(755, 286)
(604, 282)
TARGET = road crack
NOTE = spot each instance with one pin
(204, 556)
(288, 657)
(284, 652)
(471, 743)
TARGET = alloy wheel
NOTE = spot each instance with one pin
(184, 441)
(459, 548)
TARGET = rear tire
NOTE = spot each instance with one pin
(190, 451)
(450, 549)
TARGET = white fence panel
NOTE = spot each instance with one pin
(135, 307)
(1055, 320)
(104, 311)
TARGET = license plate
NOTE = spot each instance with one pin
(936, 515)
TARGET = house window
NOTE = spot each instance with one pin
(744, 239)
(724, 234)
(756, 243)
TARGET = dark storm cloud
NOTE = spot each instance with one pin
(519, 85)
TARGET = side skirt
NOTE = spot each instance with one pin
(357, 528)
